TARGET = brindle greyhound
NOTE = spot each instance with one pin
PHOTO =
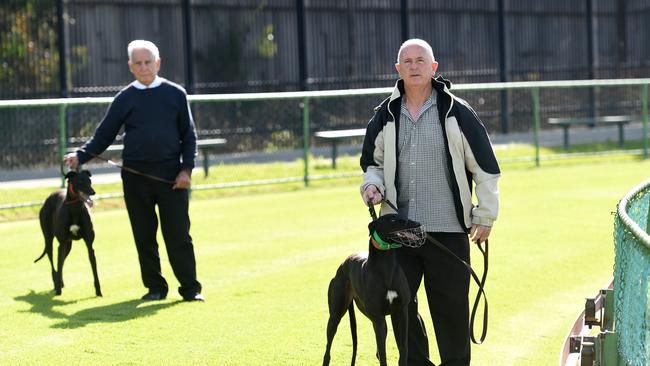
(65, 215)
(378, 286)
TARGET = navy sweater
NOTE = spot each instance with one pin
(158, 130)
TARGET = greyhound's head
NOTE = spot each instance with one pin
(80, 186)
(391, 231)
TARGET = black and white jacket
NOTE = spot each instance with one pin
(470, 154)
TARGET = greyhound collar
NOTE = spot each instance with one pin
(382, 245)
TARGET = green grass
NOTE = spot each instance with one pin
(523, 155)
(265, 261)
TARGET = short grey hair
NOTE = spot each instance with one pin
(418, 42)
(147, 45)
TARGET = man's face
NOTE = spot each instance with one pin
(415, 66)
(144, 66)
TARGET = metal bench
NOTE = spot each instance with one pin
(203, 145)
(566, 123)
(335, 136)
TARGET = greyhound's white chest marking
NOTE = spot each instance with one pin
(391, 295)
(74, 229)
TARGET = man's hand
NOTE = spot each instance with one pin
(479, 233)
(71, 160)
(183, 180)
(371, 194)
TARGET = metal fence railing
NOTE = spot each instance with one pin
(280, 127)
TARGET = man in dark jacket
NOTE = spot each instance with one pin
(160, 145)
(422, 150)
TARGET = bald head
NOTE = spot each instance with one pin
(416, 42)
(415, 65)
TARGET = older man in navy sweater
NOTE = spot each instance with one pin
(159, 142)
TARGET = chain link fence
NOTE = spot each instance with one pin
(276, 127)
(632, 276)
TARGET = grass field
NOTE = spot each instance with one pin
(265, 261)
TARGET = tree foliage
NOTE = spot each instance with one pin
(28, 48)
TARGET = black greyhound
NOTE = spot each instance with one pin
(378, 286)
(65, 215)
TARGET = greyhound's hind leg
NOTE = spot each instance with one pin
(64, 250)
(54, 275)
(339, 300)
(47, 250)
(50, 257)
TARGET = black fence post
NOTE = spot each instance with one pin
(404, 13)
(63, 80)
(503, 67)
(302, 49)
(189, 58)
(63, 55)
(621, 36)
(591, 60)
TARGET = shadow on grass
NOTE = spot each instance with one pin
(45, 303)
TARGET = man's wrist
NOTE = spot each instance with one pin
(365, 187)
(483, 221)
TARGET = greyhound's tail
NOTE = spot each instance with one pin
(41, 256)
(353, 330)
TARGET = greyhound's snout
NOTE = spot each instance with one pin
(87, 199)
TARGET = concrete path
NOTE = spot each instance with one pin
(550, 138)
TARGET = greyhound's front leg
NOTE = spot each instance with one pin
(64, 250)
(380, 335)
(93, 265)
(400, 329)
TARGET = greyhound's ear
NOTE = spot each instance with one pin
(70, 174)
(371, 228)
(87, 172)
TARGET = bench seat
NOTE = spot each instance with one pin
(333, 136)
(566, 123)
(203, 145)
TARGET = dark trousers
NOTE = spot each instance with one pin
(446, 282)
(142, 195)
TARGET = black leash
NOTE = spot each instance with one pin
(130, 170)
(479, 282)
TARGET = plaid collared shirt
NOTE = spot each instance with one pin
(423, 180)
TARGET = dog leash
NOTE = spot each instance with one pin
(479, 282)
(130, 170)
